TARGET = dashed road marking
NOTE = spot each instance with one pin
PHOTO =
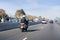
(25, 38)
(41, 27)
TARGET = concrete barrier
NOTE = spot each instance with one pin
(7, 26)
(4, 26)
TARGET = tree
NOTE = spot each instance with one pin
(40, 18)
(44, 18)
(30, 17)
(19, 13)
(2, 13)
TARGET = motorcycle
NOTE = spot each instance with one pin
(23, 27)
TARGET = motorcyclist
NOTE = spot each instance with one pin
(24, 20)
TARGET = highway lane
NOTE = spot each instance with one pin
(12, 34)
(35, 32)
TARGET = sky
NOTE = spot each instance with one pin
(45, 8)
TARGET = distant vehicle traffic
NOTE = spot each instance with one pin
(44, 22)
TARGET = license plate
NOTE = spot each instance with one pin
(21, 26)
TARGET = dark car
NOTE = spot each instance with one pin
(51, 21)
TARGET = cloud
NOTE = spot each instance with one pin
(45, 8)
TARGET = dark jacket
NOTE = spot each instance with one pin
(23, 20)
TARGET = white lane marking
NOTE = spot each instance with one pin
(41, 27)
(25, 38)
(30, 26)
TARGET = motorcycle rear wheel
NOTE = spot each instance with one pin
(22, 30)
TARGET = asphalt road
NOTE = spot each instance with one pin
(35, 32)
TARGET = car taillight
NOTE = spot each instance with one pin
(21, 24)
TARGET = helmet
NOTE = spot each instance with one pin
(23, 16)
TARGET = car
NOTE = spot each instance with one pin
(13, 20)
(44, 22)
(51, 21)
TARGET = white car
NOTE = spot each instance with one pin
(13, 20)
(44, 22)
